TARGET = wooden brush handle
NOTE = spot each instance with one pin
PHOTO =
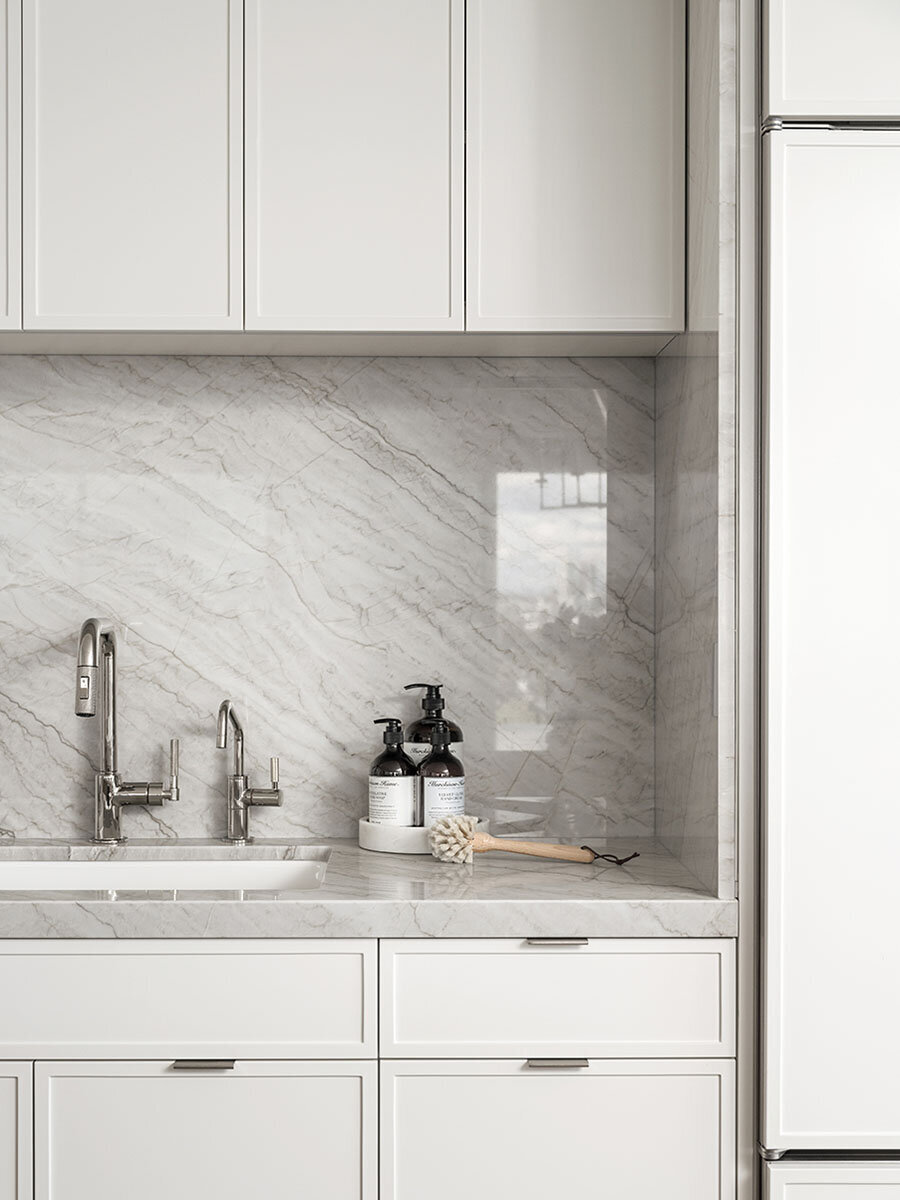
(483, 841)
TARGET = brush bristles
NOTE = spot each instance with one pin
(451, 838)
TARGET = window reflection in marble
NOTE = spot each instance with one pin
(551, 570)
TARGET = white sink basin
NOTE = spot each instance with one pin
(155, 875)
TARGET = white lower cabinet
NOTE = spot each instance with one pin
(15, 1131)
(635, 1130)
(145, 1130)
(832, 1181)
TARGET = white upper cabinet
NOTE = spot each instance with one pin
(10, 167)
(132, 164)
(575, 164)
(832, 58)
(354, 144)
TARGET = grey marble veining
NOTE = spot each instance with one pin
(308, 535)
(381, 895)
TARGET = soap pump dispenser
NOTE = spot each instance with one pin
(443, 778)
(418, 734)
(394, 788)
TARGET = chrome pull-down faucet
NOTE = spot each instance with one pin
(240, 796)
(96, 673)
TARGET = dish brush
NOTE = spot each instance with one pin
(455, 839)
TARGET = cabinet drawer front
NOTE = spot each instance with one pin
(259, 1129)
(607, 997)
(623, 1131)
(189, 999)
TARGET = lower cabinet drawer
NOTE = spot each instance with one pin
(603, 998)
(261, 998)
(832, 1181)
(145, 1131)
(629, 1130)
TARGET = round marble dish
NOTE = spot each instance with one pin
(399, 839)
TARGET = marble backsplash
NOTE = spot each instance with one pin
(308, 535)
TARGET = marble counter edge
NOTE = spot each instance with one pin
(39, 917)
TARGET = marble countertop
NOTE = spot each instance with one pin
(380, 895)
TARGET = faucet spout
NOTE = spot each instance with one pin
(87, 670)
(227, 714)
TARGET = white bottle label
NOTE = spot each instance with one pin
(417, 750)
(443, 798)
(392, 801)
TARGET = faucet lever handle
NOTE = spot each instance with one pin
(273, 771)
(174, 755)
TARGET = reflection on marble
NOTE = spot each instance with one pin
(308, 535)
(686, 613)
(390, 895)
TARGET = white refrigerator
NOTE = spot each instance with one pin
(830, 1013)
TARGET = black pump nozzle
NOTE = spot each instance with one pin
(432, 701)
(440, 734)
(393, 733)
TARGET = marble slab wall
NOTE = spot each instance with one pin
(308, 535)
(686, 605)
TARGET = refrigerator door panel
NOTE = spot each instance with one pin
(831, 956)
(832, 1181)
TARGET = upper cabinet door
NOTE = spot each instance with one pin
(10, 167)
(354, 145)
(575, 164)
(831, 58)
(132, 164)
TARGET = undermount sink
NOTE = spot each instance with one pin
(171, 873)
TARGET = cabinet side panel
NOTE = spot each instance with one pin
(10, 165)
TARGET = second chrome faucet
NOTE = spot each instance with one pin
(240, 796)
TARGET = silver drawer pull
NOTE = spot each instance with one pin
(557, 941)
(554, 1064)
(203, 1064)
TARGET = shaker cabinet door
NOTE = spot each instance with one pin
(831, 58)
(575, 165)
(132, 164)
(832, 1181)
(831, 990)
(145, 1130)
(649, 1130)
(15, 1131)
(354, 143)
